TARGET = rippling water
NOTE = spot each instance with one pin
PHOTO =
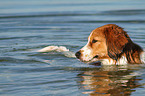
(29, 25)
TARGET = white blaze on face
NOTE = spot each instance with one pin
(142, 56)
(86, 51)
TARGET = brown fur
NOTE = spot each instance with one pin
(110, 42)
(118, 43)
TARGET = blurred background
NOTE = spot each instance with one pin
(29, 25)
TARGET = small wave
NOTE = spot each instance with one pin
(70, 54)
(105, 21)
(125, 12)
(62, 49)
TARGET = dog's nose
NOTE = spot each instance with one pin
(78, 54)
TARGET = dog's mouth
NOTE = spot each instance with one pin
(96, 56)
(94, 61)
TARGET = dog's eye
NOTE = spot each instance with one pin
(94, 41)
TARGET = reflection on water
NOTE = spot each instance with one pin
(109, 81)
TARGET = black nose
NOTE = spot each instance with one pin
(78, 54)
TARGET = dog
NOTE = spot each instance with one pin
(110, 44)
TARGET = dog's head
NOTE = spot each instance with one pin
(106, 42)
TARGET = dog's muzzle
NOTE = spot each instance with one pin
(78, 54)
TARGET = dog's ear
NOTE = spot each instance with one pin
(116, 39)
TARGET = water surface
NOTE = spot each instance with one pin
(29, 25)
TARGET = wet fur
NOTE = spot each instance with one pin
(119, 43)
(112, 45)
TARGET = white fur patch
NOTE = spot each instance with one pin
(142, 56)
(107, 62)
(86, 51)
(122, 61)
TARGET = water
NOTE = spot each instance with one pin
(27, 26)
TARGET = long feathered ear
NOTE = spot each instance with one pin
(116, 39)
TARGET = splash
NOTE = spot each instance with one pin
(61, 49)
(66, 52)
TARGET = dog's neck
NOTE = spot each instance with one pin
(120, 61)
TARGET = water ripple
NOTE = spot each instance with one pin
(52, 14)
